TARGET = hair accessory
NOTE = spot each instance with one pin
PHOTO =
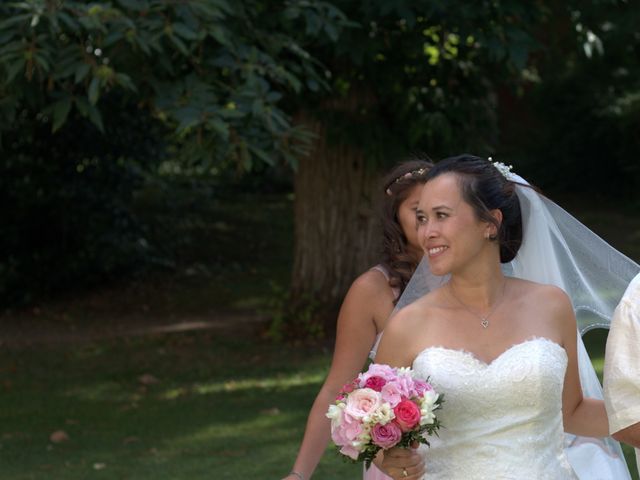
(405, 176)
(505, 170)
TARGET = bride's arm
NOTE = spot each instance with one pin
(581, 416)
(630, 435)
(369, 297)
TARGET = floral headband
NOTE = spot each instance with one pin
(413, 173)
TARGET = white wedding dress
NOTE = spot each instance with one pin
(501, 420)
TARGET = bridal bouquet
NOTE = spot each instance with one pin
(383, 407)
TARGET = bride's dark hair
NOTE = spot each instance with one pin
(397, 186)
(485, 188)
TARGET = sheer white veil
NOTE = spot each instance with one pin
(557, 249)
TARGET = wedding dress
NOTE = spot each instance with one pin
(501, 420)
(558, 250)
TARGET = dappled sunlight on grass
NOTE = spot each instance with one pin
(251, 384)
(261, 383)
(104, 391)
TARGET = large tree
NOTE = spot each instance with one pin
(221, 81)
(414, 76)
(488, 77)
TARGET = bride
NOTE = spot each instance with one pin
(503, 350)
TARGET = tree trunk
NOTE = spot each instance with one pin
(337, 233)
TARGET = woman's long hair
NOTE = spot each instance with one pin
(397, 185)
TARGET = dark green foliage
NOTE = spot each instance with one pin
(293, 319)
(67, 198)
(213, 71)
(97, 98)
(579, 130)
(589, 136)
(95, 95)
(424, 75)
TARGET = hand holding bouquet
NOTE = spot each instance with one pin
(383, 407)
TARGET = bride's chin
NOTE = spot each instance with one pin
(438, 270)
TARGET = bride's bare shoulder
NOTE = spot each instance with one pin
(536, 292)
(399, 337)
(547, 301)
(415, 313)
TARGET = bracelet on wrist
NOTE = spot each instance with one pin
(296, 474)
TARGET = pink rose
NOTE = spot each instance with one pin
(421, 387)
(348, 387)
(350, 451)
(362, 402)
(347, 431)
(386, 436)
(375, 383)
(407, 415)
(391, 393)
(352, 428)
(406, 386)
(378, 370)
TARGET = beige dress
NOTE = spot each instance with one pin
(622, 363)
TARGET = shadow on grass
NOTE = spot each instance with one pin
(178, 406)
(221, 408)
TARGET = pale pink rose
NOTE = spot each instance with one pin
(338, 431)
(391, 393)
(350, 451)
(386, 436)
(407, 415)
(421, 386)
(346, 431)
(337, 435)
(377, 370)
(406, 387)
(352, 427)
(362, 402)
(375, 383)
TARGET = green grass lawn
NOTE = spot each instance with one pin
(222, 408)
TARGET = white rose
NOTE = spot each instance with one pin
(426, 417)
(429, 398)
(383, 415)
(335, 414)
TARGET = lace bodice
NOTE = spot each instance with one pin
(501, 420)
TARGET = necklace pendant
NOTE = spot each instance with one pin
(484, 323)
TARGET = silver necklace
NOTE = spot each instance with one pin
(484, 319)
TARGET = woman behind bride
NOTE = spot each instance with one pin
(503, 350)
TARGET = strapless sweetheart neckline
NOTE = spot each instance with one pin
(476, 358)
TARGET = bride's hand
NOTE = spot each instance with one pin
(403, 464)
